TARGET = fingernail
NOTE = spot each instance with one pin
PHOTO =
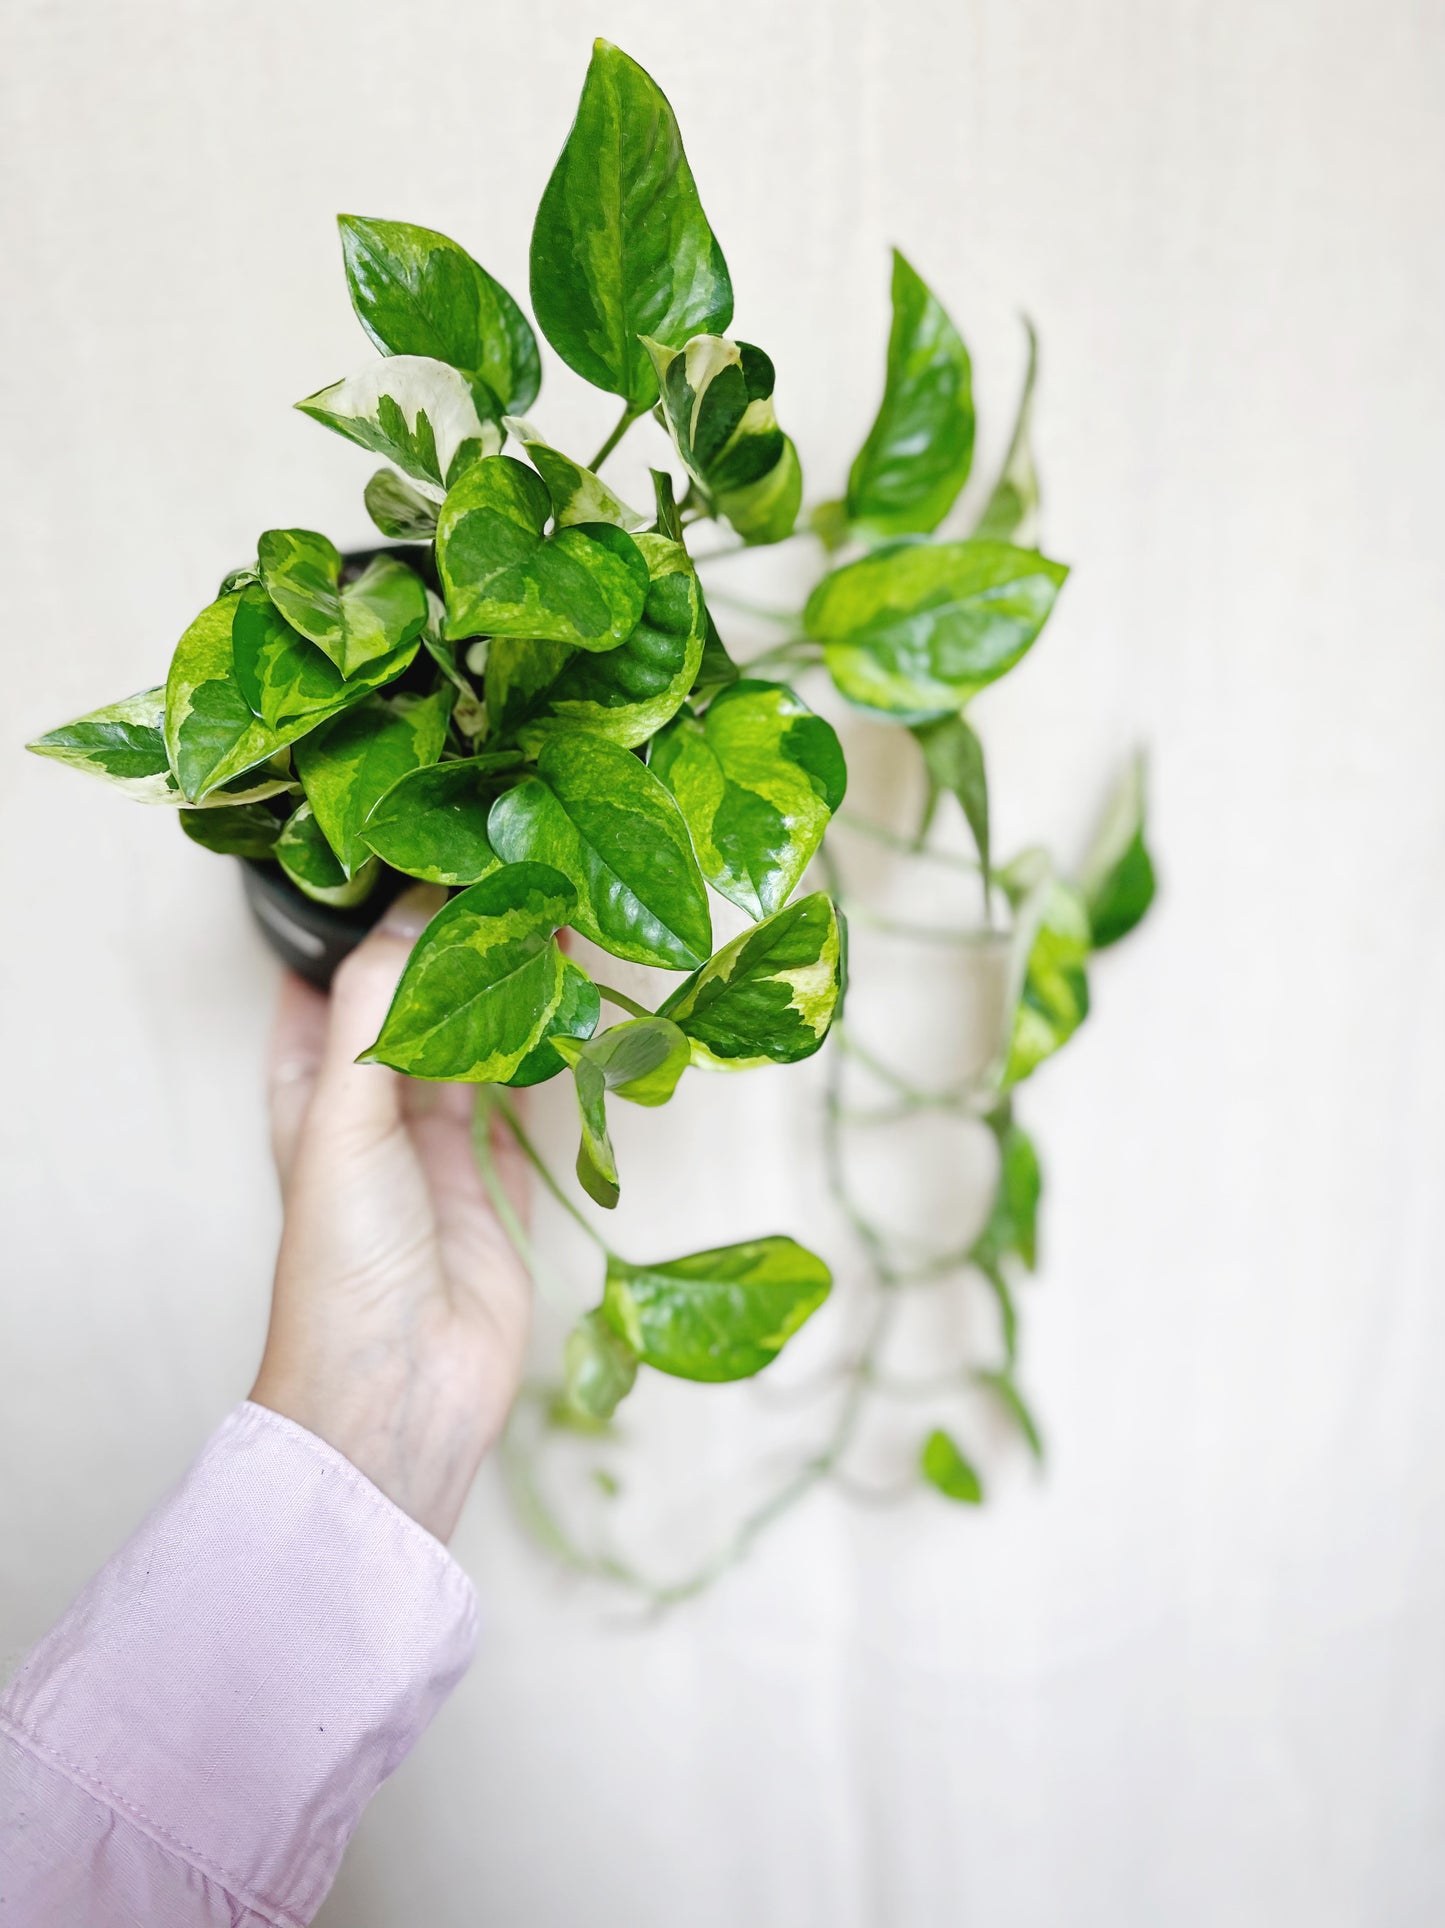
(410, 914)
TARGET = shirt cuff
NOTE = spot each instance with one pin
(253, 1663)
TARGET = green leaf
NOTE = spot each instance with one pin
(1002, 1386)
(621, 247)
(944, 1467)
(1053, 998)
(577, 494)
(1118, 878)
(769, 996)
(373, 616)
(602, 818)
(757, 780)
(1012, 1226)
(535, 690)
(600, 1367)
(432, 823)
(584, 586)
(285, 681)
(245, 830)
(954, 757)
(717, 403)
(577, 1016)
(916, 629)
(640, 1060)
(1011, 513)
(309, 861)
(669, 516)
(350, 763)
(235, 646)
(423, 415)
(919, 450)
(717, 1315)
(125, 744)
(399, 510)
(417, 293)
(483, 982)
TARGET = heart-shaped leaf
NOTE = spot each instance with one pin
(399, 510)
(350, 763)
(1011, 513)
(717, 401)
(600, 1367)
(640, 1060)
(770, 995)
(908, 473)
(576, 1016)
(483, 981)
(954, 758)
(757, 780)
(718, 1315)
(423, 415)
(1118, 875)
(311, 864)
(621, 247)
(535, 690)
(602, 818)
(373, 616)
(947, 1471)
(125, 744)
(577, 494)
(917, 629)
(238, 647)
(1052, 935)
(285, 681)
(417, 293)
(432, 823)
(584, 586)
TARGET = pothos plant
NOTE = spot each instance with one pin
(528, 702)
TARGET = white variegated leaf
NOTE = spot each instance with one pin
(426, 417)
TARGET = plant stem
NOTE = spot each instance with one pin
(622, 1001)
(741, 604)
(545, 1280)
(890, 839)
(793, 649)
(539, 1165)
(624, 422)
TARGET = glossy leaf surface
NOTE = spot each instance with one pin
(945, 1468)
(584, 586)
(1118, 877)
(757, 779)
(370, 617)
(432, 823)
(603, 819)
(310, 862)
(285, 681)
(1053, 1000)
(576, 1016)
(347, 765)
(717, 401)
(423, 415)
(417, 293)
(717, 1315)
(536, 690)
(245, 830)
(770, 995)
(621, 247)
(919, 450)
(125, 744)
(916, 629)
(483, 981)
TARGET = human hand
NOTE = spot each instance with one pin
(399, 1311)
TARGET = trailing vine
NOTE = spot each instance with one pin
(527, 700)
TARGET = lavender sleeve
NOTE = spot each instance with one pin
(196, 1738)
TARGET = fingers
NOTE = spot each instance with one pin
(366, 1098)
(298, 1037)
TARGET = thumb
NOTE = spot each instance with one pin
(367, 1097)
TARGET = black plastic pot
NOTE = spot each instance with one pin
(313, 938)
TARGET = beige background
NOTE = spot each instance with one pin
(1197, 1675)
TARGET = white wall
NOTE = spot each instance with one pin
(1196, 1676)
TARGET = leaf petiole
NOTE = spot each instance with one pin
(622, 1001)
(538, 1163)
(628, 416)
